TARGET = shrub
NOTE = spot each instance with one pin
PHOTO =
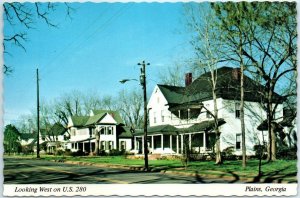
(78, 153)
(286, 153)
(115, 152)
(228, 154)
(59, 152)
(260, 151)
(102, 153)
(68, 152)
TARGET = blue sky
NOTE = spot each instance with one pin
(101, 45)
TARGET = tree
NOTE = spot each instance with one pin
(11, 139)
(172, 75)
(22, 17)
(206, 44)
(69, 104)
(268, 31)
(130, 106)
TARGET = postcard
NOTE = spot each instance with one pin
(146, 98)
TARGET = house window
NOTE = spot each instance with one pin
(102, 147)
(154, 117)
(123, 145)
(102, 131)
(157, 100)
(109, 131)
(208, 114)
(237, 110)
(238, 141)
(162, 116)
(110, 145)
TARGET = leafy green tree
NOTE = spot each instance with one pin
(11, 139)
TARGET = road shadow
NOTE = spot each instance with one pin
(274, 177)
(222, 177)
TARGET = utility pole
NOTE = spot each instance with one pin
(38, 114)
(143, 83)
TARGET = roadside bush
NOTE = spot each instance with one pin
(228, 154)
(115, 152)
(59, 152)
(68, 152)
(260, 151)
(78, 153)
(102, 153)
(286, 153)
(198, 157)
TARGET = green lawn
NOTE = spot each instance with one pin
(280, 169)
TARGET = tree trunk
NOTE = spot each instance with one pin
(242, 114)
(271, 130)
(218, 135)
(273, 145)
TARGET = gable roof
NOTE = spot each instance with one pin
(94, 119)
(84, 121)
(115, 114)
(228, 87)
(172, 94)
(79, 121)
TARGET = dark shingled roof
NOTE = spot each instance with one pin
(165, 129)
(206, 125)
(228, 87)
(124, 132)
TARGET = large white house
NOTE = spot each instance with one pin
(108, 124)
(183, 115)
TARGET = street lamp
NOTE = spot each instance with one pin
(143, 84)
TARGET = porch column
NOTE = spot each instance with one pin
(143, 144)
(83, 147)
(162, 142)
(91, 146)
(204, 141)
(152, 142)
(77, 145)
(181, 144)
(177, 144)
(171, 142)
(190, 141)
(135, 146)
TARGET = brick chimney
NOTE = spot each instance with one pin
(188, 79)
(236, 73)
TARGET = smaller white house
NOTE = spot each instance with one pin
(102, 128)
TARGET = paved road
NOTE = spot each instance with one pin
(29, 171)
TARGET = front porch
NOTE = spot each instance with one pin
(197, 142)
(167, 139)
(86, 146)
